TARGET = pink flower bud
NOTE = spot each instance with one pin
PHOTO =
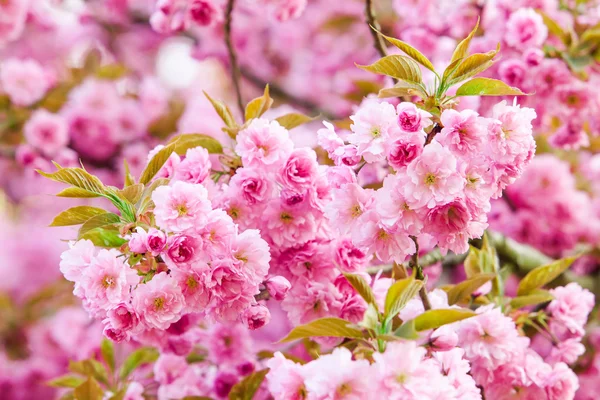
(223, 383)
(138, 241)
(179, 345)
(256, 316)
(156, 241)
(483, 289)
(181, 248)
(278, 287)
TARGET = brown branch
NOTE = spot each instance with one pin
(414, 264)
(233, 64)
(372, 21)
(289, 98)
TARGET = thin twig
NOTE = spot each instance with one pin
(414, 264)
(372, 21)
(289, 98)
(233, 64)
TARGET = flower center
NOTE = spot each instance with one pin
(108, 281)
(344, 389)
(286, 217)
(430, 179)
(182, 209)
(159, 303)
(356, 211)
(376, 132)
(191, 283)
(382, 235)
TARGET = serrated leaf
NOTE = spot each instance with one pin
(409, 50)
(247, 387)
(97, 370)
(534, 298)
(68, 381)
(98, 221)
(462, 49)
(471, 66)
(156, 163)
(399, 294)
(433, 319)
(464, 289)
(79, 178)
(258, 106)
(323, 327)
(132, 193)
(186, 141)
(362, 288)
(223, 111)
(108, 353)
(292, 120)
(88, 390)
(540, 276)
(76, 215)
(396, 66)
(104, 238)
(402, 89)
(487, 87)
(129, 179)
(139, 357)
(75, 192)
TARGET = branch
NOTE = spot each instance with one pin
(372, 22)
(235, 68)
(289, 98)
(414, 264)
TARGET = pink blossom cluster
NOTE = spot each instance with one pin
(438, 186)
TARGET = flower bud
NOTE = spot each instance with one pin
(256, 316)
(156, 241)
(278, 287)
(138, 241)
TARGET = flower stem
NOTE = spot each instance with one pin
(372, 22)
(233, 64)
(414, 263)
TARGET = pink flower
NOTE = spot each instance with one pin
(300, 170)
(231, 292)
(256, 316)
(561, 383)
(566, 351)
(156, 241)
(108, 280)
(525, 28)
(328, 139)
(134, 391)
(285, 379)
(309, 300)
(204, 12)
(433, 178)
(263, 143)
(462, 132)
(181, 249)
(46, 132)
(513, 72)
(405, 149)
(348, 257)
(159, 302)
(168, 368)
(138, 243)
(229, 344)
(180, 207)
(278, 287)
(195, 168)
(349, 203)
(373, 125)
(217, 234)
(252, 255)
(252, 185)
(119, 323)
(76, 260)
(25, 81)
(450, 225)
(197, 296)
(412, 119)
(571, 307)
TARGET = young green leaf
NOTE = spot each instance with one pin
(88, 390)
(433, 319)
(76, 215)
(108, 353)
(554, 28)
(362, 288)
(464, 289)
(396, 66)
(371, 318)
(540, 276)
(75, 192)
(462, 48)
(187, 141)
(145, 202)
(247, 387)
(104, 238)
(535, 297)
(139, 357)
(157, 162)
(129, 179)
(407, 330)
(223, 111)
(326, 327)
(471, 66)
(258, 106)
(292, 120)
(98, 221)
(79, 178)
(401, 89)
(66, 381)
(399, 294)
(131, 193)
(409, 50)
(487, 87)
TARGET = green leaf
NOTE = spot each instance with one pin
(247, 387)
(257, 107)
(433, 319)
(362, 288)
(487, 87)
(129, 179)
(590, 37)
(396, 66)
(402, 89)
(223, 111)
(536, 297)
(554, 28)
(132, 193)
(76, 215)
(471, 66)
(464, 289)
(323, 327)
(187, 141)
(88, 390)
(371, 318)
(76, 193)
(462, 48)
(139, 357)
(157, 162)
(79, 178)
(409, 50)
(292, 120)
(99, 221)
(145, 202)
(540, 276)
(111, 71)
(399, 294)
(104, 238)
(407, 330)
(70, 381)
(108, 353)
